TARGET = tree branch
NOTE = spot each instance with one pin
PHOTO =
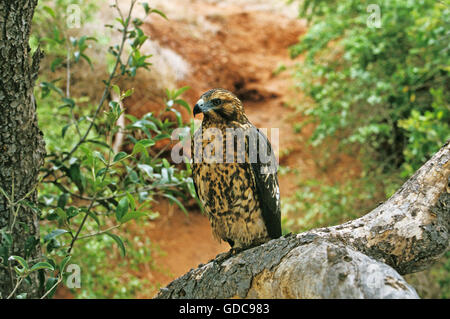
(358, 259)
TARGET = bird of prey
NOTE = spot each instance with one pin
(234, 173)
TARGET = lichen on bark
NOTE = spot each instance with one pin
(22, 148)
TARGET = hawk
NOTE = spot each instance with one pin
(234, 173)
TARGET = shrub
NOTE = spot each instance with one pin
(384, 88)
(88, 190)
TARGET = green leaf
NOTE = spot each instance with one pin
(165, 176)
(160, 13)
(188, 166)
(142, 145)
(94, 217)
(54, 233)
(147, 142)
(42, 265)
(64, 129)
(176, 201)
(76, 176)
(191, 187)
(114, 105)
(178, 116)
(128, 92)
(62, 200)
(144, 125)
(61, 213)
(146, 169)
(131, 118)
(132, 215)
(121, 21)
(55, 63)
(5, 236)
(180, 91)
(165, 163)
(184, 104)
(119, 156)
(74, 41)
(161, 136)
(77, 55)
(133, 177)
(68, 101)
(51, 281)
(131, 201)
(51, 86)
(52, 245)
(116, 89)
(88, 60)
(99, 143)
(122, 208)
(63, 264)
(100, 156)
(138, 148)
(101, 172)
(72, 212)
(20, 260)
(146, 7)
(6, 241)
(49, 11)
(137, 23)
(119, 242)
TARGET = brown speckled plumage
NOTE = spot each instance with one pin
(241, 202)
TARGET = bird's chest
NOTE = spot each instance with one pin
(229, 197)
(221, 171)
(225, 188)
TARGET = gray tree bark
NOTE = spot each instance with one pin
(22, 148)
(362, 258)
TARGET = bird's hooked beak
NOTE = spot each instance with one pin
(199, 107)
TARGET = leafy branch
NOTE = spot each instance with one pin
(88, 184)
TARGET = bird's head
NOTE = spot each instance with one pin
(219, 105)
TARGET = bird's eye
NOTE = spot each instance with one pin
(216, 102)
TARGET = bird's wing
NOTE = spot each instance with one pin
(264, 172)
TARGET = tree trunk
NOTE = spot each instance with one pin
(22, 148)
(359, 259)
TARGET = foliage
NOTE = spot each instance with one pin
(383, 88)
(426, 131)
(323, 205)
(376, 78)
(441, 274)
(87, 189)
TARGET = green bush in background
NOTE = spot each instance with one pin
(385, 88)
(376, 77)
(89, 191)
